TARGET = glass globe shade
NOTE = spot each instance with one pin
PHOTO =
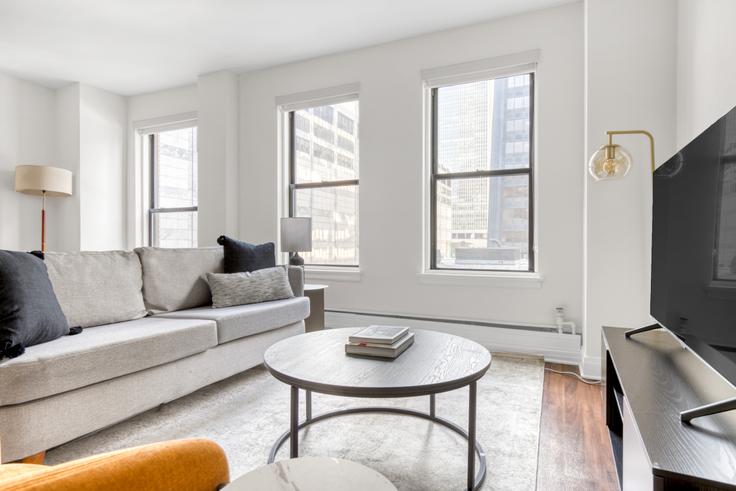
(609, 162)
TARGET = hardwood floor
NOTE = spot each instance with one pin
(574, 450)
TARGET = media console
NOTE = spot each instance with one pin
(649, 379)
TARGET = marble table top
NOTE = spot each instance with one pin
(312, 474)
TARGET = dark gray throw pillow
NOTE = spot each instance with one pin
(242, 257)
(29, 311)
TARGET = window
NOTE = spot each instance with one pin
(346, 143)
(172, 214)
(345, 123)
(326, 134)
(481, 176)
(323, 184)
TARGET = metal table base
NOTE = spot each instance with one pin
(474, 480)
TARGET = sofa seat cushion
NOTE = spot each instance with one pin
(246, 320)
(101, 353)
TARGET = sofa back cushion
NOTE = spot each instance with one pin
(174, 279)
(96, 288)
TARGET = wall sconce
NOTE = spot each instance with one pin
(612, 161)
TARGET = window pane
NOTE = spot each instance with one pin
(484, 125)
(176, 178)
(334, 213)
(483, 223)
(326, 142)
(176, 229)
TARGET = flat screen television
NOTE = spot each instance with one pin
(693, 290)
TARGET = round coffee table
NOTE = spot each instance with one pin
(312, 474)
(437, 362)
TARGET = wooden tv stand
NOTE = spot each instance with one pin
(649, 378)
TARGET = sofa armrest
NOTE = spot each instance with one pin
(197, 465)
(296, 279)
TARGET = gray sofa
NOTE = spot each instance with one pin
(150, 337)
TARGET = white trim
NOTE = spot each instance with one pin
(426, 179)
(499, 66)
(282, 177)
(139, 175)
(590, 367)
(319, 97)
(166, 123)
(294, 102)
(554, 347)
(525, 62)
(520, 279)
(325, 273)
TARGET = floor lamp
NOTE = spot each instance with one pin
(43, 180)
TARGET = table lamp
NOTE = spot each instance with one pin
(43, 180)
(296, 236)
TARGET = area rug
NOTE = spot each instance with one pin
(247, 412)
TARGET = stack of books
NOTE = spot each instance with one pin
(380, 341)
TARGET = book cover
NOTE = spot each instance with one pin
(382, 351)
(379, 334)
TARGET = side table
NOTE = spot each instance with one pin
(316, 295)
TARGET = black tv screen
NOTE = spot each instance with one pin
(694, 245)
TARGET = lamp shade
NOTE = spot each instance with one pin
(35, 179)
(296, 234)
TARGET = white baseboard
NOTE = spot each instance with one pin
(554, 347)
(591, 367)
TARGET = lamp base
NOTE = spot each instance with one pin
(296, 260)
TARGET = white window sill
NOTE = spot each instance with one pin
(495, 279)
(326, 273)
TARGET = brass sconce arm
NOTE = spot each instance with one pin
(634, 132)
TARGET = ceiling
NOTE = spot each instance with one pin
(136, 46)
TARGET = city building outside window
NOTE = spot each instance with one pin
(482, 175)
(172, 213)
(323, 179)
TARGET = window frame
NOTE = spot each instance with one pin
(434, 176)
(153, 208)
(294, 186)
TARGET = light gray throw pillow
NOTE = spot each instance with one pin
(257, 286)
(96, 288)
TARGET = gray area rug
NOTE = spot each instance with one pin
(246, 413)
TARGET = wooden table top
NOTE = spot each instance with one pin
(436, 362)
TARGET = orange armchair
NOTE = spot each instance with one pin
(197, 465)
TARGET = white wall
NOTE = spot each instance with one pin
(217, 148)
(68, 151)
(28, 137)
(90, 132)
(102, 133)
(706, 65)
(177, 100)
(630, 84)
(391, 166)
